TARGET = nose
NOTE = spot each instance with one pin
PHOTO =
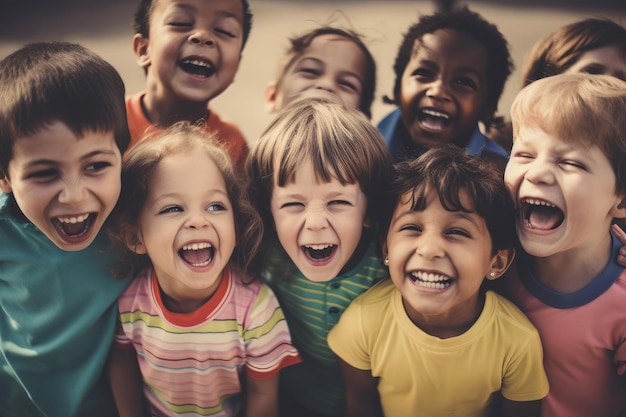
(73, 192)
(539, 172)
(202, 37)
(326, 84)
(316, 219)
(429, 246)
(197, 220)
(438, 90)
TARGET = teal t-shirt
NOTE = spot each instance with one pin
(57, 318)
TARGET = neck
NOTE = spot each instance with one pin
(163, 112)
(569, 271)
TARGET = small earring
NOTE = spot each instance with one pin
(387, 260)
(492, 274)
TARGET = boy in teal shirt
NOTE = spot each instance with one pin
(62, 133)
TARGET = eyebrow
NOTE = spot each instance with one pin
(87, 156)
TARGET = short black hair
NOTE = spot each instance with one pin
(47, 81)
(141, 21)
(447, 170)
(461, 19)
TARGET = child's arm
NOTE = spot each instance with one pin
(261, 397)
(126, 383)
(520, 408)
(362, 399)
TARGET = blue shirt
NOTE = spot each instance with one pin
(478, 144)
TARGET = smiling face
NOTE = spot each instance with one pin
(65, 185)
(331, 62)
(443, 92)
(193, 49)
(318, 224)
(608, 60)
(565, 192)
(438, 259)
(187, 226)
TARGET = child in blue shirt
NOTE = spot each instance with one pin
(450, 72)
(62, 134)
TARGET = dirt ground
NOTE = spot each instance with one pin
(105, 27)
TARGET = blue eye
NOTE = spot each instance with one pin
(216, 207)
(171, 209)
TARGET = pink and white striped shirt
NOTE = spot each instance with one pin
(191, 364)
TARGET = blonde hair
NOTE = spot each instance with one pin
(339, 140)
(137, 171)
(581, 108)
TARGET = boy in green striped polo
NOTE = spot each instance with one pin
(317, 174)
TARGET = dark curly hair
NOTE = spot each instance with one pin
(141, 21)
(462, 19)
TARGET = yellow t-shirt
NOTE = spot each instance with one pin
(423, 375)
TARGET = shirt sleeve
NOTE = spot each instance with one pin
(347, 339)
(524, 377)
(267, 337)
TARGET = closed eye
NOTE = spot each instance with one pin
(291, 204)
(459, 232)
(225, 32)
(44, 174)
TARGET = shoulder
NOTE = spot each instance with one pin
(510, 318)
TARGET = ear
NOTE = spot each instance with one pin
(619, 211)
(500, 263)
(5, 185)
(271, 92)
(134, 240)
(141, 48)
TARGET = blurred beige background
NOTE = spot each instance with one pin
(105, 27)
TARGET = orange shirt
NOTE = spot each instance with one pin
(228, 134)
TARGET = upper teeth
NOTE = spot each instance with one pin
(427, 276)
(436, 113)
(538, 202)
(197, 246)
(319, 247)
(73, 219)
(196, 62)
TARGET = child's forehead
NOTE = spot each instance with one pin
(449, 42)
(217, 8)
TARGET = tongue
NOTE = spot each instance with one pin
(196, 257)
(544, 218)
(433, 123)
(73, 229)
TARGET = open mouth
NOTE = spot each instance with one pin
(74, 228)
(198, 67)
(430, 280)
(434, 119)
(319, 252)
(197, 254)
(541, 214)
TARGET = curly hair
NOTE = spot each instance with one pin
(462, 19)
